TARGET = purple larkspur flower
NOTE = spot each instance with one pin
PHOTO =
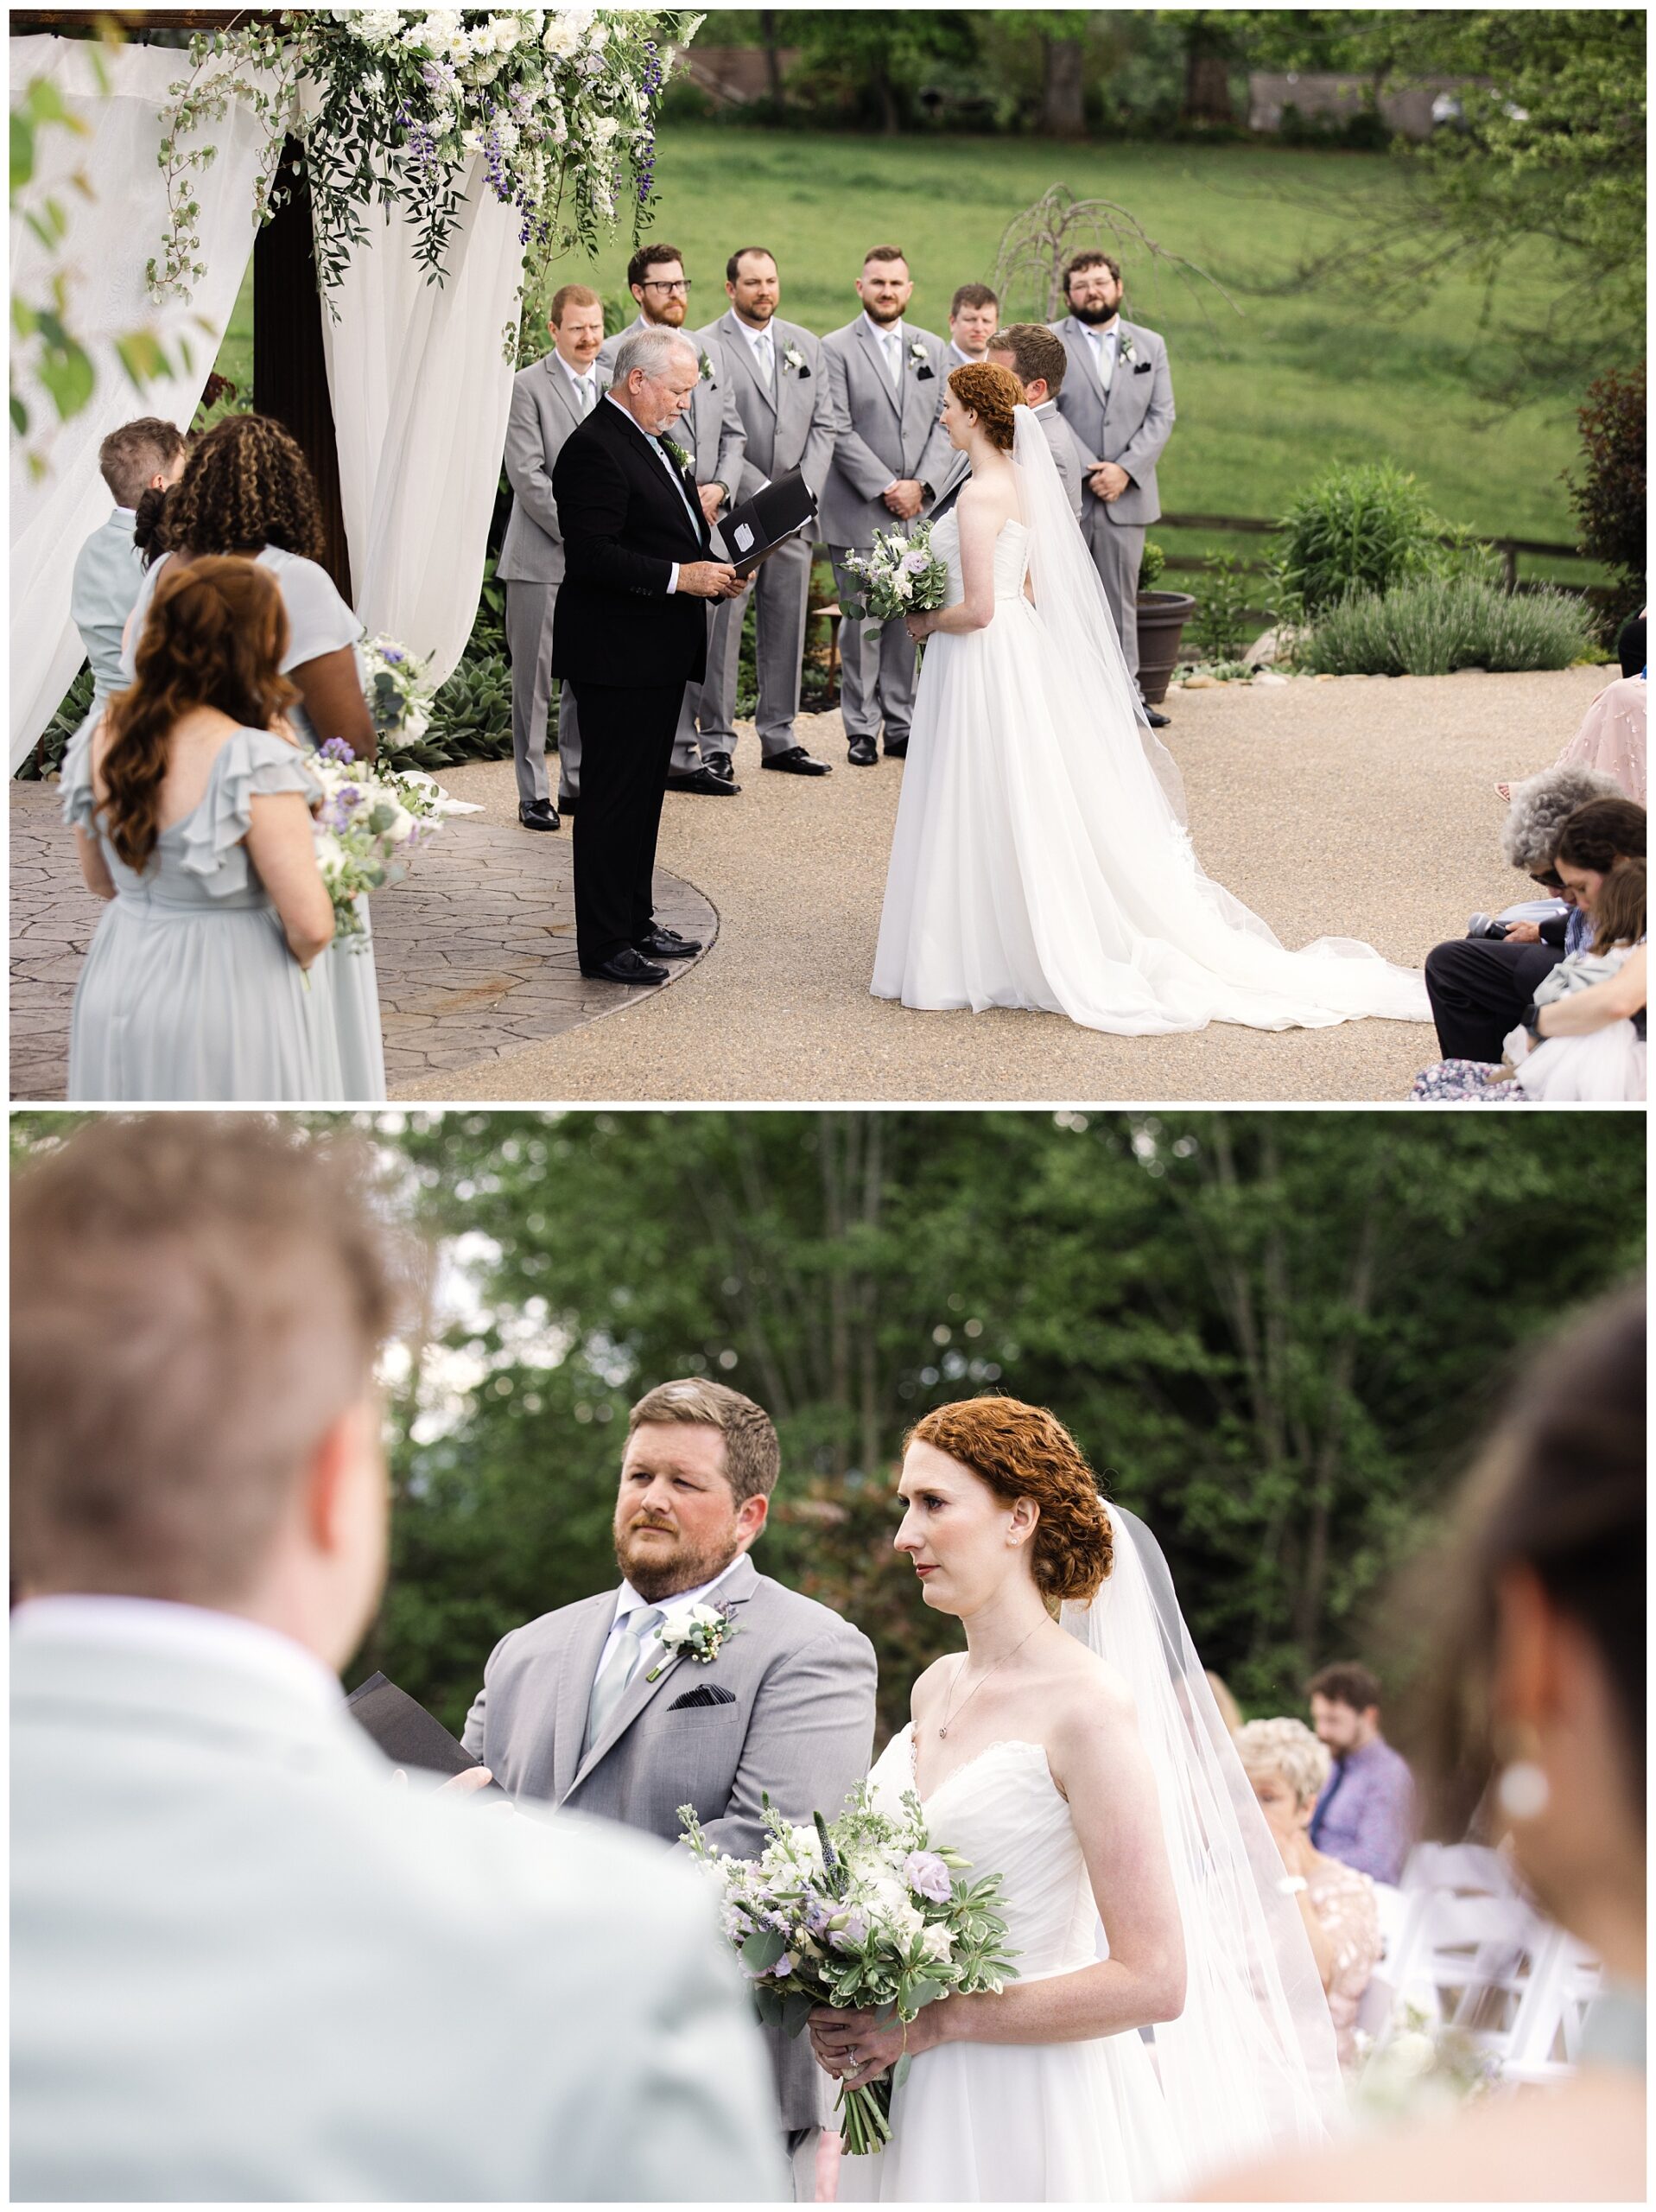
(335, 748)
(927, 1877)
(390, 653)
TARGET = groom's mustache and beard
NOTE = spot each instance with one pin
(659, 1559)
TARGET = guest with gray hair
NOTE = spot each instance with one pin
(1480, 985)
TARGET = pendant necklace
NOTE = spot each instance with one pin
(978, 1685)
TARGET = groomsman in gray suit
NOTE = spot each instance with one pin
(148, 455)
(711, 428)
(1038, 361)
(547, 400)
(245, 1964)
(974, 316)
(598, 1707)
(782, 395)
(1118, 399)
(890, 458)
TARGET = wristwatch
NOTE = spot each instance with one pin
(1291, 1884)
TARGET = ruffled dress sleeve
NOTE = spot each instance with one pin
(319, 621)
(75, 776)
(253, 764)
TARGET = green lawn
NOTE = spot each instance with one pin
(1266, 398)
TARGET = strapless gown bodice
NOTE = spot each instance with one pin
(1012, 557)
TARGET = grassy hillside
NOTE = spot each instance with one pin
(1266, 395)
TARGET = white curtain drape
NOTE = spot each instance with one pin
(420, 391)
(111, 237)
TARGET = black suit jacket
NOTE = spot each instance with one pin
(623, 526)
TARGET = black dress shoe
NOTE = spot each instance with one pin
(667, 945)
(719, 764)
(898, 752)
(537, 814)
(704, 780)
(861, 752)
(1157, 720)
(796, 761)
(566, 803)
(626, 966)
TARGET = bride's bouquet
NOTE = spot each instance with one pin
(370, 819)
(902, 575)
(861, 1912)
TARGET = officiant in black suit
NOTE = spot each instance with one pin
(628, 633)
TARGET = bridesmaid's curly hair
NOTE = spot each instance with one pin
(246, 484)
(991, 393)
(215, 636)
(1024, 1452)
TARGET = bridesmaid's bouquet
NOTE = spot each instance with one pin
(370, 819)
(902, 575)
(862, 1912)
(398, 689)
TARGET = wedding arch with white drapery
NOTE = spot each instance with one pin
(111, 237)
(417, 374)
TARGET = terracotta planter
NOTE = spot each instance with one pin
(1162, 618)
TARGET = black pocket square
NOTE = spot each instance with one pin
(924, 373)
(704, 1693)
(1143, 368)
(802, 373)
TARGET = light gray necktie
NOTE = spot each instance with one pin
(1105, 358)
(588, 387)
(894, 357)
(767, 361)
(611, 1684)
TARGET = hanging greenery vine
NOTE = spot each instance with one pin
(393, 108)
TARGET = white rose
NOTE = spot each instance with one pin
(705, 1616)
(471, 142)
(559, 37)
(937, 1943)
(1410, 2053)
(508, 31)
(330, 856)
(405, 828)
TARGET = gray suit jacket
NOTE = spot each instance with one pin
(107, 578)
(714, 437)
(1061, 444)
(246, 1966)
(798, 1723)
(880, 436)
(1129, 426)
(543, 412)
(790, 428)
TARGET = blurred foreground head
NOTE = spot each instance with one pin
(198, 1304)
(1539, 1672)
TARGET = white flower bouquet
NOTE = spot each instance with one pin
(902, 575)
(865, 1912)
(399, 691)
(1420, 2067)
(370, 819)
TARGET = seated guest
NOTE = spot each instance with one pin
(1533, 1715)
(147, 455)
(246, 1965)
(1611, 738)
(1287, 1767)
(1582, 1036)
(1480, 986)
(1037, 358)
(1365, 1814)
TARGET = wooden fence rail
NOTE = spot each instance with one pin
(1257, 526)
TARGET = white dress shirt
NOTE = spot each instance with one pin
(627, 1602)
(666, 460)
(221, 1641)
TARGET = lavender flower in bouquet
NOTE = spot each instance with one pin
(399, 691)
(865, 1912)
(369, 820)
(901, 576)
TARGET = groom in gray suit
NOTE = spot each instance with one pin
(549, 399)
(712, 429)
(890, 458)
(782, 396)
(600, 1708)
(1118, 399)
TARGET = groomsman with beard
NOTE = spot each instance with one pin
(712, 429)
(1118, 399)
(600, 1708)
(782, 396)
(549, 399)
(891, 457)
(974, 316)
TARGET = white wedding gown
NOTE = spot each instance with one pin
(1061, 2123)
(1037, 860)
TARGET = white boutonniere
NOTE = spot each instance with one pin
(706, 367)
(794, 360)
(919, 361)
(680, 458)
(1124, 347)
(699, 1631)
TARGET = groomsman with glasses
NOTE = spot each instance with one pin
(712, 429)
(547, 400)
(782, 396)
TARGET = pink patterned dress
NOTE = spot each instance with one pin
(1343, 1900)
(1612, 736)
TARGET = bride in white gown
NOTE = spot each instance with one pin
(1091, 1770)
(1040, 857)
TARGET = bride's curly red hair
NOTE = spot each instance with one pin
(994, 394)
(1024, 1452)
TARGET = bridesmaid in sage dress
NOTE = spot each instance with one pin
(248, 490)
(192, 817)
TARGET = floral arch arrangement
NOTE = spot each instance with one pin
(396, 105)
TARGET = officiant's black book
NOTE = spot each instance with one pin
(406, 1733)
(770, 519)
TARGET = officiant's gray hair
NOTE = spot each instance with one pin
(650, 350)
(753, 1454)
(196, 1299)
